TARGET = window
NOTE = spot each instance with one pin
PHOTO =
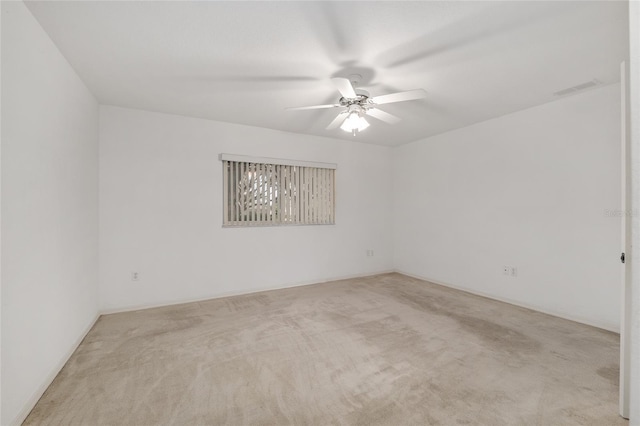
(265, 191)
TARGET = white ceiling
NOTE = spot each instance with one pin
(244, 62)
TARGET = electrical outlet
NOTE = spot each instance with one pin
(135, 276)
(510, 271)
(369, 253)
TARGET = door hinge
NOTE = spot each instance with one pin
(622, 258)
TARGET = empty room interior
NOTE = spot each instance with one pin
(323, 212)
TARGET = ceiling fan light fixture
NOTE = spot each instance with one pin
(354, 122)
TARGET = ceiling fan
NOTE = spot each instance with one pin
(357, 104)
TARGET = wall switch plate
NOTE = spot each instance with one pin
(369, 253)
(135, 276)
(506, 270)
(514, 271)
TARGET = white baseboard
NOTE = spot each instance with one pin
(515, 302)
(35, 397)
(108, 311)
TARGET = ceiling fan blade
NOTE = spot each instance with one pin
(409, 95)
(313, 107)
(337, 121)
(344, 87)
(383, 116)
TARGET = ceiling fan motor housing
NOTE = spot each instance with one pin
(355, 108)
(361, 99)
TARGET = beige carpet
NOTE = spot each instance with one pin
(383, 350)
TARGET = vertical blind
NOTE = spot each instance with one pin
(266, 193)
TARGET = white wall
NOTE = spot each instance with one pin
(529, 190)
(49, 210)
(161, 212)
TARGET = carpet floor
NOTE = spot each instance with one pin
(382, 350)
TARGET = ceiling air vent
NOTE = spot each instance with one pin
(578, 88)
